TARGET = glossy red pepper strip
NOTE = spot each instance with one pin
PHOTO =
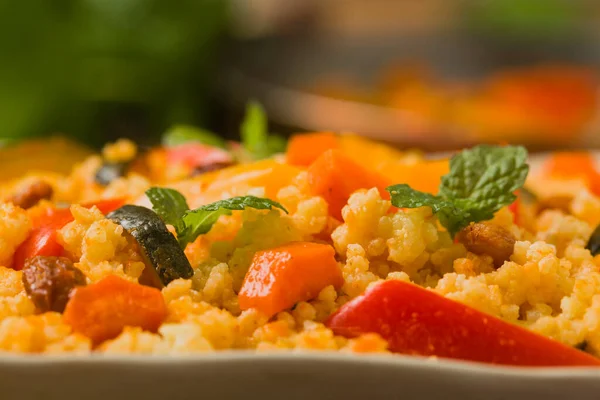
(42, 241)
(417, 321)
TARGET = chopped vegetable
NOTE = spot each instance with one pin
(281, 277)
(107, 205)
(370, 153)
(481, 181)
(100, 311)
(165, 260)
(570, 164)
(514, 210)
(593, 245)
(574, 165)
(110, 171)
(304, 149)
(236, 181)
(255, 135)
(424, 176)
(210, 168)
(180, 134)
(525, 197)
(42, 241)
(335, 177)
(417, 321)
(200, 220)
(172, 207)
(195, 155)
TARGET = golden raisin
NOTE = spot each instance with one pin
(488, 239)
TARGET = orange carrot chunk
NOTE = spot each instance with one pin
(100, 311)
(281, 277)
(304, 149)
(335, 177)
(570, 164)
(424, 176)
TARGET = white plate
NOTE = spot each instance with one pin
(230, 375)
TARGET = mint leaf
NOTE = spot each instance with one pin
(200, 220)
(480, 182)
(487, 176)
(404, 196)
(450, 216)
(181, 134)
(170, 205)
(255, 134)
(241, 203)
(254, 130)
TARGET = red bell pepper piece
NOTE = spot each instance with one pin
(417, 321)
(193, 155)
(42, 240)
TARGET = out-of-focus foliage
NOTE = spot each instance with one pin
(525, 19)
(91, 67)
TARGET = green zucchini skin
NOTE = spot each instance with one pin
(158, 244)
(593, 244)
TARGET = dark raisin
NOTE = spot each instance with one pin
(30, 195)
(49, 281)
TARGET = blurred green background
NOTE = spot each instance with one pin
(100, 69)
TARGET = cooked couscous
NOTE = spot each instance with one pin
(83, 268)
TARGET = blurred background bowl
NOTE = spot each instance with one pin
(438, 75)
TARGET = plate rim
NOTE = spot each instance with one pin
(386, 360)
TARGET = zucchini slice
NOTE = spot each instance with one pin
(108, 172)
(158, 245)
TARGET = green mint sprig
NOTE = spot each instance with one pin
(481, 181)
